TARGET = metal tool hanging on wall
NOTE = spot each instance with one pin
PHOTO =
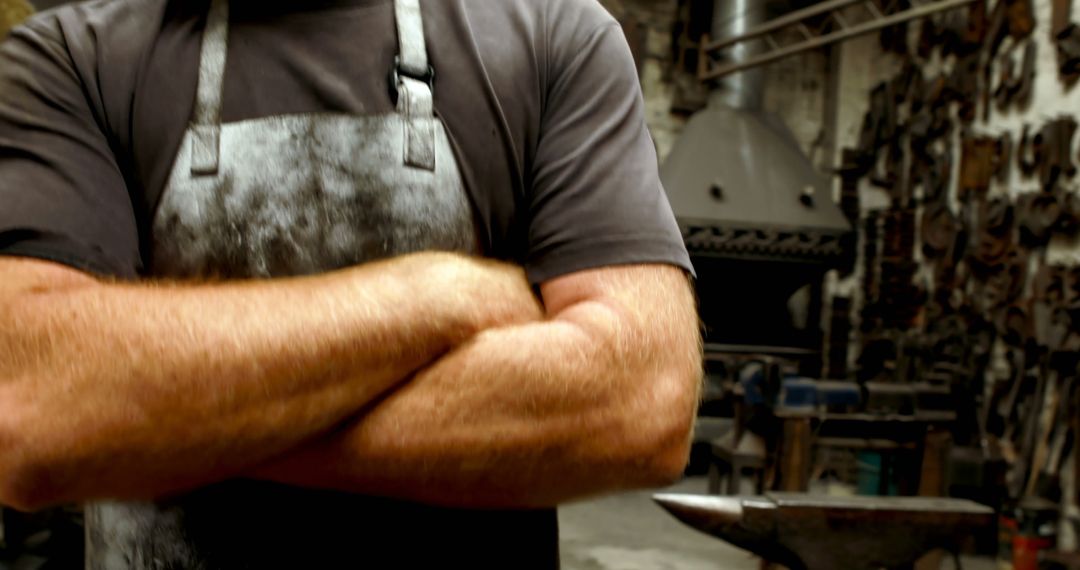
(1048, 153)
(1066, 35)
(1016, 87)
(1010, 18)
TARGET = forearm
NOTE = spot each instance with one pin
(135, 390)
(521, 417)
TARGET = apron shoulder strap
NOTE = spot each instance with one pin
(206, 119)
(413, 78)
(412, 48)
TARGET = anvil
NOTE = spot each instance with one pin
(811, 532)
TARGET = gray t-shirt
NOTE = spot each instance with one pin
(542, 104)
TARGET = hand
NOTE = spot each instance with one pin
(491, 294)
(476, 294)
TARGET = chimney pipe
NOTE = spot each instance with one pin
(743, 90)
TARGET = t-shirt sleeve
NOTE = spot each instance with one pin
(62, 196)
(596, 197)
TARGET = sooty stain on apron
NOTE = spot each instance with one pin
(326, 201)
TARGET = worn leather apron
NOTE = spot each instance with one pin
(282, 196)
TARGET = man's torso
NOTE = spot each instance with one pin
(543, 112)
(308, 62)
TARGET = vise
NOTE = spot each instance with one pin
(811, 532)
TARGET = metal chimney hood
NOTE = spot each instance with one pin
(737, 181)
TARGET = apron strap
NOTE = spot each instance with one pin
(206, 122)
(412, 48)
(413, 78)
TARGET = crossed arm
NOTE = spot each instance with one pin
(431, 377)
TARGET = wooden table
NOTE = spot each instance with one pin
(803, 431)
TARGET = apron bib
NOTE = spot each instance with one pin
(301, 194)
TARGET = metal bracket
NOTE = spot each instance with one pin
(829, 25)
(396, 72)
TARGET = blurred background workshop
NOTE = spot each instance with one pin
(880, 199)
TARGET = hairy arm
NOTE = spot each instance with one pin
(599, 397)
(137, 390)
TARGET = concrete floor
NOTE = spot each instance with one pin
(629, 532)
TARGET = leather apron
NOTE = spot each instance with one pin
(283, 196)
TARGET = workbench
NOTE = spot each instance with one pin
(802, 432)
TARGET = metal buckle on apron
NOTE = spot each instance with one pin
(397, 72)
